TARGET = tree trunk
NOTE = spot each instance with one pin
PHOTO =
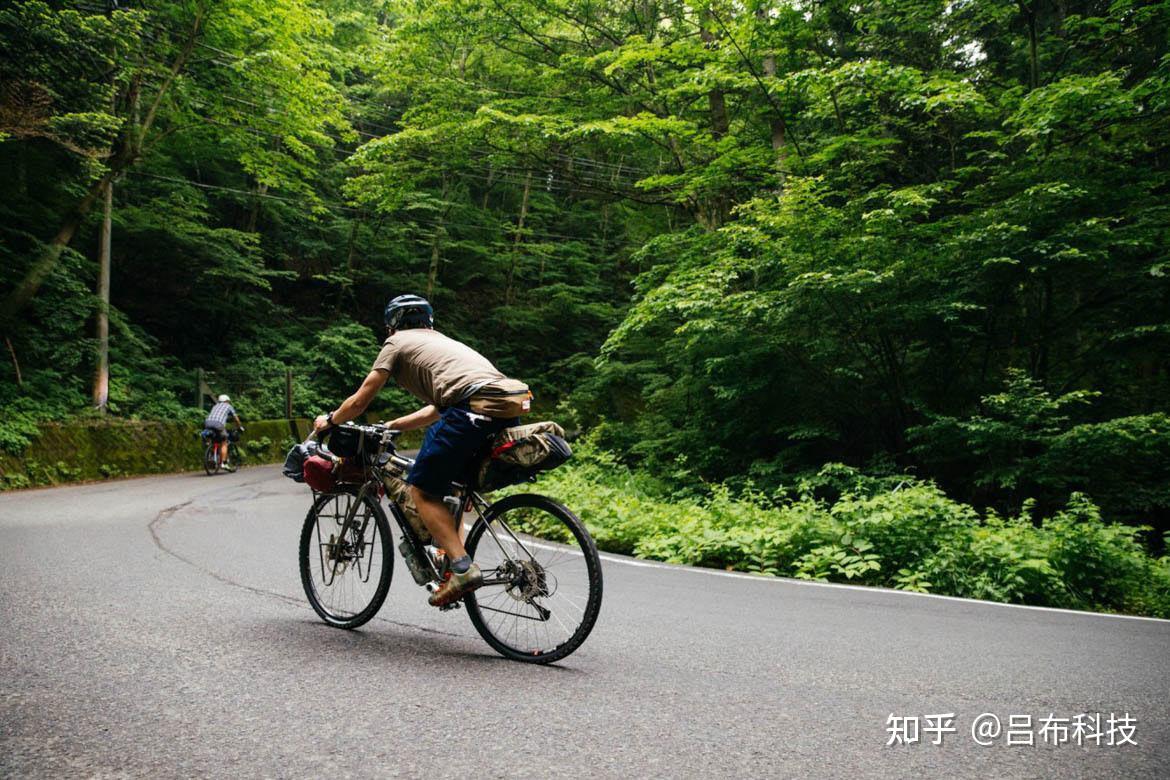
(491, 177)
(45, 264)
(1029, 13)
(716, 206)
(715, 99)
(15, 362)
(433, 273)
(775, 122)
(254, 214)
(436, 242)
(516, 239)
(351, 251)
(101, 376)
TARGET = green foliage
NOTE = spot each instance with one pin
(20, 425)
(1026, 443)
(103, 449)
(957, 211)
(256, 447)
(910, 538)
(734, 242)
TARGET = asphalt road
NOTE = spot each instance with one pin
(157, 628)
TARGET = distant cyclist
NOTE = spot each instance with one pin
(216, 423)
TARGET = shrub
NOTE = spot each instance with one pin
(910, 537)
(1025, 443)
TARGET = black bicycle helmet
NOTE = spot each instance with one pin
(409, 311)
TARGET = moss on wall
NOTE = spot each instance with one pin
(106, 449)
(70, 452)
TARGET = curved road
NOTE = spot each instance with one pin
(156, 627)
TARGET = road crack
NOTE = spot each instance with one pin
(171, 511)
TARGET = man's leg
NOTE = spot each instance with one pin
(440, 522)
(446, 448)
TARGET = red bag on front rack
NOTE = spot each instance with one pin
(319, 474)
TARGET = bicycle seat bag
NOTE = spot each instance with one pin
(519, 453)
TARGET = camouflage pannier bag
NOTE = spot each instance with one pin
(518, 454)
(394, 480)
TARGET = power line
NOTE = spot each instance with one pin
(591, 175)
(583, 161)
(551, 237)
(327, 206)
(588, 178)
(504, 175)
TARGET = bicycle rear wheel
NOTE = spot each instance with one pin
(346, 571)
(542, 575)
(211, 459)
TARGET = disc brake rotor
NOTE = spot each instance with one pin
(339, 554)
(530, 581)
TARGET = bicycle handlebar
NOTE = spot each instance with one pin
(374, 429)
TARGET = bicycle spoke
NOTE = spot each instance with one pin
(340, 571)
(550, 595)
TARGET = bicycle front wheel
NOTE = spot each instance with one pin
(346, 567)
(542, 579)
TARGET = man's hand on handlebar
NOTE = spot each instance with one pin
(321, 423)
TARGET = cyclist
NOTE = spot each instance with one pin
(450, 378)
(216, 422)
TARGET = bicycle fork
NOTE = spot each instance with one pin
(350, 515)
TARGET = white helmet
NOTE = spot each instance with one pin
(223, 399)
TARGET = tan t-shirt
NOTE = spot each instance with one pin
(433, 368)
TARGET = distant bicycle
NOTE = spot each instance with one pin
(211, 461)
(541, 590)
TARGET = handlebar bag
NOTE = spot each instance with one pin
(347, 442)
(294, 463)
(349, 471)
(318, 473)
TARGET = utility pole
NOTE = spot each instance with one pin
(288, 404)
(101, 377)
(101, 374)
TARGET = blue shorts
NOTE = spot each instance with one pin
(449, 447)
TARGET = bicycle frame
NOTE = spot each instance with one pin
(543, 599)
(376, 472)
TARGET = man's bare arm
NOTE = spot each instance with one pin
(420, 419)
(354, 406)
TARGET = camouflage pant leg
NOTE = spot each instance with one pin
(399, 493)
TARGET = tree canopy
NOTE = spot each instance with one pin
(735, 241)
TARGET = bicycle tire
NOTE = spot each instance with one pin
(307, 551)
(210, 461)
(592, 560)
